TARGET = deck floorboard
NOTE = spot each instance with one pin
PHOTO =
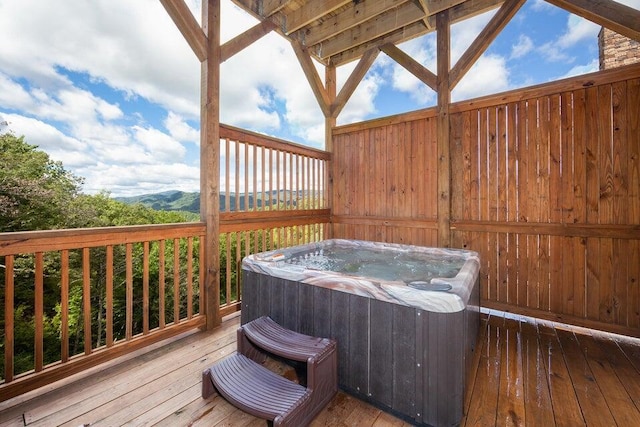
(525, 372)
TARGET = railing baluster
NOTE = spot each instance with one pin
(228, 268)
(236, 172)
(9, 323)
(246, 177)
(201, 270)
(238, 260)
(161, 284)
(189, 277)
(129, 291)
(39, 312)
(176, 281)
(64, 305)
(270, 179)
(262, 159)
(145, 288)
(227, 180)
(86, 299)
(255, 178)
(87, 244)
(109, 286)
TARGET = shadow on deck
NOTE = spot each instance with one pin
(526, 372)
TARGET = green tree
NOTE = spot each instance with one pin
(35, 191)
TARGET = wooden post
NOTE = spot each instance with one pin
(210, 161)
(329, 124)
(444, 100)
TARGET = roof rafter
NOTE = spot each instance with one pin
(608, 13)
(188, 26)
(354, 14)
(245, 39)
(483, 40)
(411, 65)
(353, 81)
(310, 72)
(310, 12)
(457, 13)
(383, 23)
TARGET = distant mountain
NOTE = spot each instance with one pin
(174, 200)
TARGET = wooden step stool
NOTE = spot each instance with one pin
(243, 381)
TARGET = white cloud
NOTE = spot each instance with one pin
(522, 47)
(181, 130)
(489, 75)
(582, 69)
(578, 29)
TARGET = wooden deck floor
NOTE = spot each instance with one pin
(526, 372)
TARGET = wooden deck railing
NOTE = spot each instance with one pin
(89, 295)
(109, 291)
(272, 196)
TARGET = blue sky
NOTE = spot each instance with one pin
(111, 89)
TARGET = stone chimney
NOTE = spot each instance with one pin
(616, 50)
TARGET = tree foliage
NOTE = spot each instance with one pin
(35, 191)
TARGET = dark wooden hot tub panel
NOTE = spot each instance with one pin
(410, 362)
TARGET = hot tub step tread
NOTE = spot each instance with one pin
(268, 335)
(255, 389)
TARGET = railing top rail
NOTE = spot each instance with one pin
(51, 240)
(249, 137)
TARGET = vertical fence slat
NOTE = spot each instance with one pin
(633, 203)
(579, 196)
(620, 195)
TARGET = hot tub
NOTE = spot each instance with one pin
(405, 317)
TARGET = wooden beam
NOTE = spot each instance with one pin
(355, 14)
(402, 34)
(458, 13)
(373, 29)
(269, 7)
(425, 7)
(468, 9)
(483, 40)
(329, 124)
(188, 26)
(312, 76)
(435, 6)
(411, 65)
(353, 81)
(210, 161)
(443, 29)
(245, 39)
(311, 11)
(608, 13)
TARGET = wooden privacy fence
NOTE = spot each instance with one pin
(273, 195)
(545, 185)
(109, 290)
